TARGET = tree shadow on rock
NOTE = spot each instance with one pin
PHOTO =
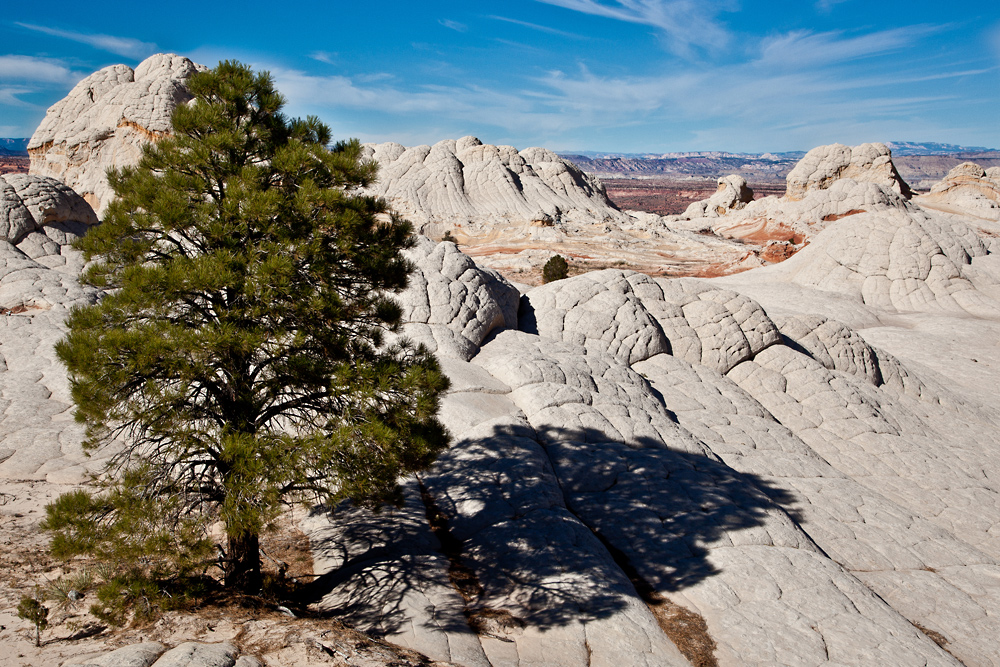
(548, 530)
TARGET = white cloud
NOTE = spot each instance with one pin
(535, 26)
(9, 96)
(685, 23)
(453, 25)
(827, 5)
(801, 89)
(122, 46)
(324, 57)
(35, 70)
(801, 47)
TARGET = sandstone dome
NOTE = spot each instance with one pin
(798, 464)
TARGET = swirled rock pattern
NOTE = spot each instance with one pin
(824, 165)
(969, 189)
(732, 194)
(794, 465)
(456, 181)
(508, 208)
(630, 450)
(800, 489)
(829, 183)
(105, 120)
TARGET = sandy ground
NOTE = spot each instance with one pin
(277, 638)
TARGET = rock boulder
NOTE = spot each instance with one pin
(105, 120)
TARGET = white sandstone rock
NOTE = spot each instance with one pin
(968, 188)
(456, 181)
(829, 183)
(804, 455)
(732, 194)
(823, 166)
(105, 120)
(452, 305)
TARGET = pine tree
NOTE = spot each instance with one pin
(556, 268)
(238, 354)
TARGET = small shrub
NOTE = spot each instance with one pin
(555, 269)
(66, 592)
(448, 237)
(31, 609)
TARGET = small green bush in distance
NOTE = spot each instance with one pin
(448, 237)
(555, 269)
(237, 358)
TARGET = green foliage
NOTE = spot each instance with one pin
(448, 237)
(555, 269)
(239, 349)
(66, 592)
(31, 609)
(135, 596)
(153, 551)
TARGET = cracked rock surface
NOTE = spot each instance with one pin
(967, 189)
(801, 461)
(105, 120)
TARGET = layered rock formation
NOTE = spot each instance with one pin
(732, 194)
(830, 183)
(459, 182)
(824, 165)
(105, 120)
(795, 465)
(968, 189)
(514, 209)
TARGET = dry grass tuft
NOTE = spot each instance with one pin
(687, 630)
(934, 636)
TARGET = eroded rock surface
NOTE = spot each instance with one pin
(733, 194)
(105, 120)
(968, 188)
(800, 462)
(795, 486)
(824, 165)
(829, 183)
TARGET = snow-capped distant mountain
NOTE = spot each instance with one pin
(931, 148)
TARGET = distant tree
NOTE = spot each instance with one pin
(555, 269)
(448, 237)
(238, 357)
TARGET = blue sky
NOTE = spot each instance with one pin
(607, 75)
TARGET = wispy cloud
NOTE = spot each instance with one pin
(685, 23)
(36, 70)
(453, 25)
(535, 26)
(324, 57)
(827, 5)
(803, 89)
(802, 47)
(122, 46)
(9, 96)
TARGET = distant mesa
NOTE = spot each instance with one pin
(13, 147)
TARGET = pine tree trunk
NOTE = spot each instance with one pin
(243, 564)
